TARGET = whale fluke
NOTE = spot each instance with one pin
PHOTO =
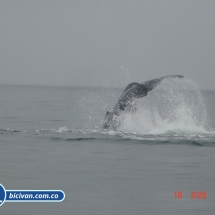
(132, 91)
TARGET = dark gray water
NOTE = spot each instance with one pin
(51, 138)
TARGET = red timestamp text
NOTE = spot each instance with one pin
(193, 194)
(198, 195)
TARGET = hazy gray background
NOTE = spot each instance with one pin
(106, 43)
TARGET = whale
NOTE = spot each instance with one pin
(126, 102)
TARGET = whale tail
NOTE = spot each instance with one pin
(132, 91)
(150, 85)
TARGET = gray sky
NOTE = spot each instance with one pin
(106, 42)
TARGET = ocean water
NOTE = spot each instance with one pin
(52, 138)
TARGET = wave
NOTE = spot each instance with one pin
(64, 134)
(8, 130)
(103, 136)
(59, 130)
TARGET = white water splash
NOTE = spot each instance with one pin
(59, 130)
(175, 107)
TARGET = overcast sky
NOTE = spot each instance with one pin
(106, 42)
